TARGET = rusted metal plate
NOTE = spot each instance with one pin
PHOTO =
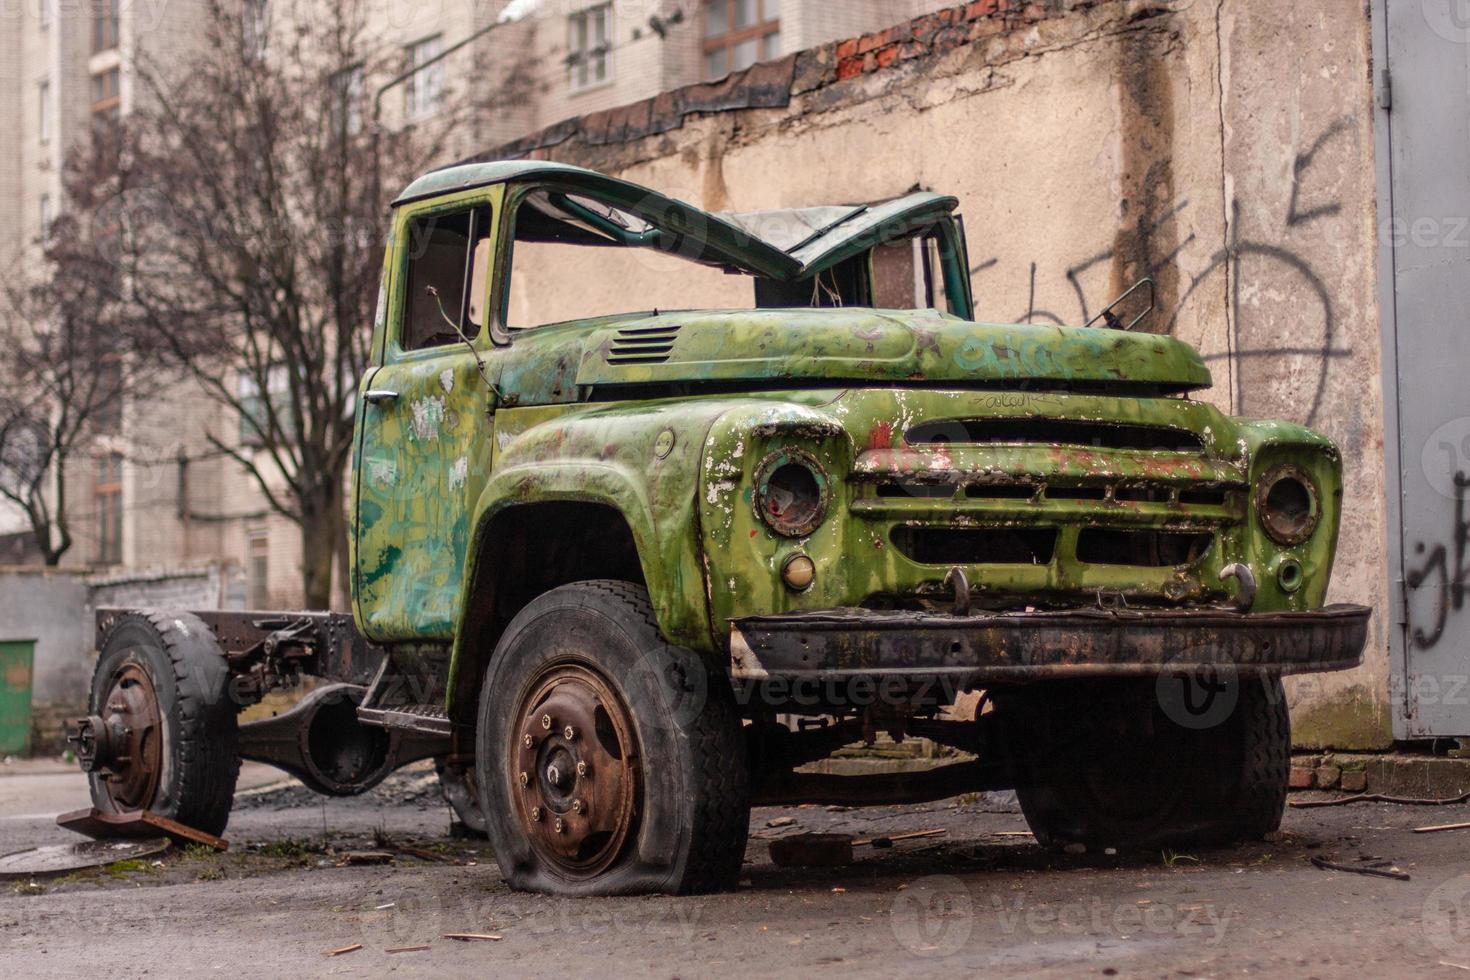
(60, 859)
(139, 825)
(1019, 647)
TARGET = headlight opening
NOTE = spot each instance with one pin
(791, 493)
(1288, 505)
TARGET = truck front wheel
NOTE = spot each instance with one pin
(611, 762)
(1118, 764)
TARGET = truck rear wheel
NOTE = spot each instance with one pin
(1108, 765)
(163, 734)
(611, 762)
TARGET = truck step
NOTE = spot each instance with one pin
(428, 719)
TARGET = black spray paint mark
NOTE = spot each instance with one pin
(1437, 569)
(1229, 260)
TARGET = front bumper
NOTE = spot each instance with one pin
(1008, 648)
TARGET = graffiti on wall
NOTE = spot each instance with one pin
(1302, 324)
(1445, 573)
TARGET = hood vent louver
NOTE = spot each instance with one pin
(642, 345)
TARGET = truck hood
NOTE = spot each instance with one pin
(765, 346)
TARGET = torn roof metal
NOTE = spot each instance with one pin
(821, 237)
(675, 226)
(786, 244)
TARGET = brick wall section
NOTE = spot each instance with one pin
(816, 22)
(931, 34)
(825, 76)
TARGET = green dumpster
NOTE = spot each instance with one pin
(16, 659)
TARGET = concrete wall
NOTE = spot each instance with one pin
(57, 609)
(48, 607)
(1225, 149)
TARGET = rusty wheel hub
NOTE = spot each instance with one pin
(574, 770)
(123, 742)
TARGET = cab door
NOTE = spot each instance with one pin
(424, 414)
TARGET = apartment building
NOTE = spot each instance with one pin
(592, 56)
(152, 492)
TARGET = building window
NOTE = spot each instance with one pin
(739, 33)
(43, 13)
(107, 418)
(259, 574)
(106, 99)
(256, 429)
(108, 493)
(589, 44)
(423, 93)
(45, 215)
(347, 101)
(255, 22)
(104, 24)
(43, 111)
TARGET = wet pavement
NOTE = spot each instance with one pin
(982, 896)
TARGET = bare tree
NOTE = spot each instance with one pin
(245, 206)
(64, 378)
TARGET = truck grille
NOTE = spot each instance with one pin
(976, 546)
(1065, 432)
(1141, 549)
(643, 345)
(1187, 498)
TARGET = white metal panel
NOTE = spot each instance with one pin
(1425, 228)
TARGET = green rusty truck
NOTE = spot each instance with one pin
(625, 575)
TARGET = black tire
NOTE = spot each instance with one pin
(462, 792)
(1108, 764)
(1259, 800)
(684, 765)
(198, 746)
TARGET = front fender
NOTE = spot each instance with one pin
(641, 460)
(1268, 444)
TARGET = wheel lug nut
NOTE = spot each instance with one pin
(577, 806)
(569, 733)
(546, 722)
(560, 827)
(536, 813)
(528, 741)
(581, 769)
(525, 779)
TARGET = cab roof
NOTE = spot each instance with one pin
(789, 244)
